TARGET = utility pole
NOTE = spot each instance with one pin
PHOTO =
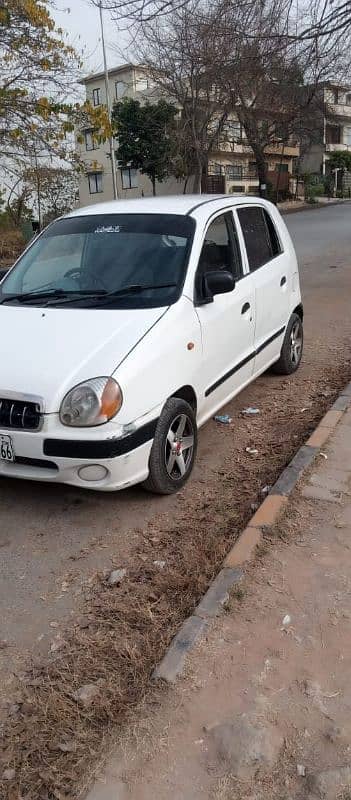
(109, 108)
(38, 185)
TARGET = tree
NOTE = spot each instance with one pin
(18, 205)
(145, 136)
(340, 160)
(251, 69)
(326, 18)
(184, 54)
(37, 73)
(139, 10)
(53, 190)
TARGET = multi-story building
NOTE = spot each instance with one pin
(332, 130)
(231, 167)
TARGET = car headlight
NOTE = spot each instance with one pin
(92, 402)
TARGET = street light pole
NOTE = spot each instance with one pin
(109, 108)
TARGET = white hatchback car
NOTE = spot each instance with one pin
(126, 325)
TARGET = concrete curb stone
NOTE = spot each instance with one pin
(218, 593)
(245, 546)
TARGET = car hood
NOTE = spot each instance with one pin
(45, 352)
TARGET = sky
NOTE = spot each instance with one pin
(81, 21)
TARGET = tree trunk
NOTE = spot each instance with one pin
(278, 178)
(262, 173)
(185, 184)
(153, 181)
(198, 174)
(197, 181)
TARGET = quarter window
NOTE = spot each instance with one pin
(95, 182)
(273, 235)
(260, 235)
(220, 249)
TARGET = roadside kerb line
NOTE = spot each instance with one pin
(244, 548)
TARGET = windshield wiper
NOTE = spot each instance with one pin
(32, 296)
(105, 296)
(47, 295)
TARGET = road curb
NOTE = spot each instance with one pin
(245, 547)
(312, 207)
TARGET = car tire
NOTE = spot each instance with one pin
(171, 462)
(291, 352)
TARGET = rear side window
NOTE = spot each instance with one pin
(260, 235)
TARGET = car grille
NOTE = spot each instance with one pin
(19, 415)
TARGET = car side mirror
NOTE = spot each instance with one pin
(219, 281)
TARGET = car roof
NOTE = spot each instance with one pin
(189, 204)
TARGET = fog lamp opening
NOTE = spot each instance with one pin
(93, 472)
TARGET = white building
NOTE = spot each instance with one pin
(333, 127)
(96, 182)
(231, 168)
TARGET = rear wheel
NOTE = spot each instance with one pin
(291, 352)
(174, 448)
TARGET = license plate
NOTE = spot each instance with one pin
(6, 448)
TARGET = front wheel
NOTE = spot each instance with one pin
(174, 448)
(291, 352)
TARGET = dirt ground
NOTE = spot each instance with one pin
(58, 544)
(281, 653)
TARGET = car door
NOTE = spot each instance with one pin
(227, 323)
(269, 267)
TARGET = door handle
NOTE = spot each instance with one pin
(283, 280)
(246, 307)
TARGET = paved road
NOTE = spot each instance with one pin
(53, 539)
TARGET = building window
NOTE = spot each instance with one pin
(333, 134)
(97, 97)
(95, 182)
(347, 135)
(282, 168)
(348, 99)
(90, 143)
(215, 169)
(232, 131)
(252, 169)
(141, 84)
(121, 89)
(129, 178)
(233, 171)
(237, 189)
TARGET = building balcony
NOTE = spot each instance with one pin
(290, 150)
(339, 110)
(93, 166)
(236, 148)
(337, 148)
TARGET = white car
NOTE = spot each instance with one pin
(126, 325)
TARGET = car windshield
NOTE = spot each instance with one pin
(104, 261)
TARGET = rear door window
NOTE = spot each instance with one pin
(260, 236)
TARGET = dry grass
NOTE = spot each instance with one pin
(53, 744)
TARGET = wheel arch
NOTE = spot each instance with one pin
(188, 394)
(299, 311)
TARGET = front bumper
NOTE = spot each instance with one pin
(59, 455)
